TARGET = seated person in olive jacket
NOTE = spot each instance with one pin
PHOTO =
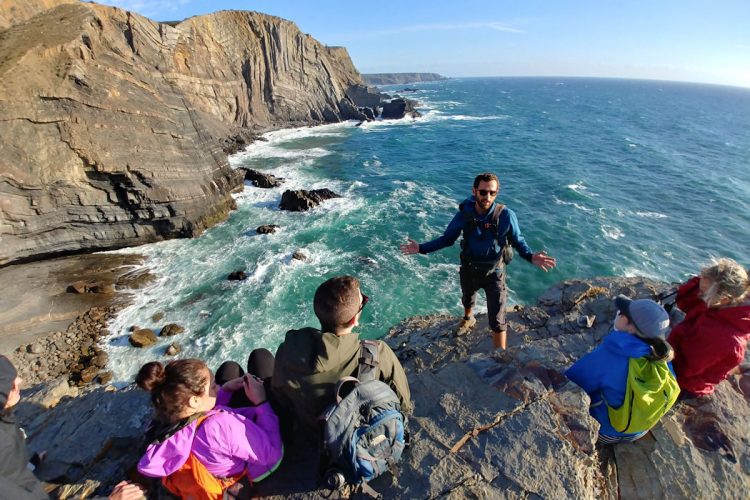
(310, 362)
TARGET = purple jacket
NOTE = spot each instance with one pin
(230, 441)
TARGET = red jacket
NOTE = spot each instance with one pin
(709, 342)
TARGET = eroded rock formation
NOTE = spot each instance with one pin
(114, 126)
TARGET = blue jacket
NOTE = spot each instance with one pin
(605, 371)
(482, 245)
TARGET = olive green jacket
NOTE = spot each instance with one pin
(308, 365)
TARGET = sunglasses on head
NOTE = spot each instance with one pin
(485, 192)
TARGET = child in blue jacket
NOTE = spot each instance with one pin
(639, 330)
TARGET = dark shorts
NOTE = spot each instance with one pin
(474, 279)
(259, 363)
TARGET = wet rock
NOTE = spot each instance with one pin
(267, 229)
(104, 377)
(299, 255)
(78, 287)
(88, 374)
(138, 279)
(104, 288)
(142, 338)
(100, 359)
(173, 349)
(301, 200)
(171, 329)
(261, 180)
(237, 276)
(399, 108)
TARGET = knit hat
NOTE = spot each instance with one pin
(650, 319)
(8, 375)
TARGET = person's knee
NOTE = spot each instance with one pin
(260, 363)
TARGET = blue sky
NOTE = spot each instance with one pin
(687, 40)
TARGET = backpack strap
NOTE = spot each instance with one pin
(470, 223)
(368, 360)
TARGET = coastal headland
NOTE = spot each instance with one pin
(116, 131)
(400, 78)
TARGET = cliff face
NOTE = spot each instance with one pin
(15, 11)
(113, 124)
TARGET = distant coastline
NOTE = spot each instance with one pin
(401, 78)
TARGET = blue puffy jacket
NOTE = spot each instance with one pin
(482, 244)
(605, 371)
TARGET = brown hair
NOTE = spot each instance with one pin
(486, 177)
(729, 280)
(337, 301)
(172, 386)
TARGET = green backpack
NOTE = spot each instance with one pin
(650, 392)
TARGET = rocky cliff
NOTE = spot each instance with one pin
(486, 425)
(115, 127)
(400, 78)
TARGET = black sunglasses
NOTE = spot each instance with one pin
(485, 192)
(365, 300)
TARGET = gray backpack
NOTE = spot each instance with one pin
(363, 431)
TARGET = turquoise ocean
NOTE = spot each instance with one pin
(611, 177)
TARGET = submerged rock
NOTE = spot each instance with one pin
(238, 275)
(261, 180)
(267, 229)
(173, 349)
(301, 200)
(171, 329)
(142, 338)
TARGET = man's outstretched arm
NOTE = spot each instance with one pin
(449, 237)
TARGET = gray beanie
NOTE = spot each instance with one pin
(649, 318)
(8, 375)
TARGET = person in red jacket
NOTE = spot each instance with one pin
(710, 342)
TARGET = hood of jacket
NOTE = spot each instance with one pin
(167, 456)
(737, 316)
(625, 344)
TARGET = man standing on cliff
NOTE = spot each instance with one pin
(489, 230)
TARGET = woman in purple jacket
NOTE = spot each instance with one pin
(228, 442)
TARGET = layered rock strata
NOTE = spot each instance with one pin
(115, 127)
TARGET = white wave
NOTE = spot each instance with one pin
(611, 232)
(270, 144)
(464, 118)
(578, 206)
(578, 187)
(652, 215)
(269, 150)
